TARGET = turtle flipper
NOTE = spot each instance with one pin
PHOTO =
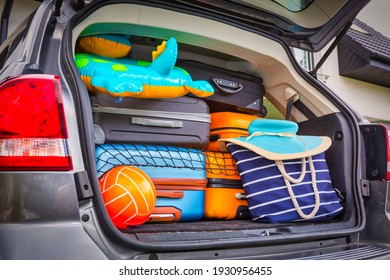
(200, 88)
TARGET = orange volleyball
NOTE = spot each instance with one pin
(128, 194)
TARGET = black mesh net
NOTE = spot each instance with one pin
(111, 155)
(219, 163)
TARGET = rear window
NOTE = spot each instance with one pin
(294, 5)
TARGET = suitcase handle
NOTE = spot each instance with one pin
(185, 116)
(170, 194)
(165, 214)
(162, 218)
(156, 122)
(226, 86)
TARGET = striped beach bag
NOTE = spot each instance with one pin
(285, 176)
(285, 191)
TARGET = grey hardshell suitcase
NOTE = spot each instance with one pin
(183, 121)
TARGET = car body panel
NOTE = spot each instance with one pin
(62, 214)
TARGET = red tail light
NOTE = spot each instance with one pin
(33, 133)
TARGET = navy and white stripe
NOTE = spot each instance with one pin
(267, 194)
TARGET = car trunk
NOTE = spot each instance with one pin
(316, 111)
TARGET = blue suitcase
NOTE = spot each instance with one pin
(178, 173)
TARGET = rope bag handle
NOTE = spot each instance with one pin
(288, 180)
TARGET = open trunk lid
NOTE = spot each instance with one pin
(308, 25)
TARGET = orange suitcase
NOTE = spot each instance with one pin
(228, 125)
(224, 198)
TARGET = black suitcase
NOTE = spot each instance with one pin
(234, 91)
(183, 121)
